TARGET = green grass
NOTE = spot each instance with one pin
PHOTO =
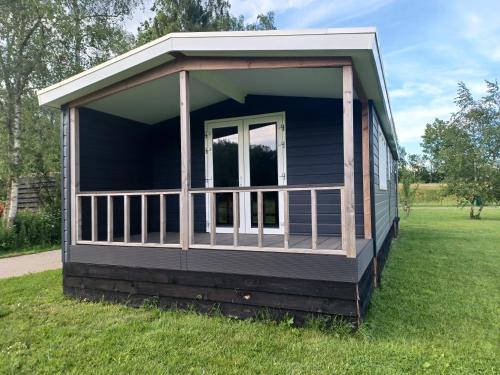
(28, 250)
(437, 312)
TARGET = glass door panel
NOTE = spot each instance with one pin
(263, 155)
(225, 171)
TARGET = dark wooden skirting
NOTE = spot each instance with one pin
(365, 290)
(382, 255)
(236, 295)
(232, 309)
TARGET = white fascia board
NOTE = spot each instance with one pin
(157, 52)
(105, 74)
(387, 120)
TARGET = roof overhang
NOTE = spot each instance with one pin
(360, 44)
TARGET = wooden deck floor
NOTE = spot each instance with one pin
(270, 240)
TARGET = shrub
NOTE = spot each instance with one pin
(7, 237)
(40, 228)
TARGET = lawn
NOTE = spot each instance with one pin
(437, 312)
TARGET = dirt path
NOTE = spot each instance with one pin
(24, 264)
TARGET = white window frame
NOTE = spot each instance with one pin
(243, 123)
(382, 160)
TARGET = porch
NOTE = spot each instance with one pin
(319, 209)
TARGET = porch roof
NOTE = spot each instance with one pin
(360, 44)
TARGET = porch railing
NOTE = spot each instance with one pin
(284, 191)
(210, 199)
(126, 196)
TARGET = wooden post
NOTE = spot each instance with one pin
(74, 147)
(314, 220)
(260, 218)
(286, 218)
(163, 216)
(236, 218)
(367, 213)
(144, 218)
(185, 158)
(126, 218)
(110, 218)
(349, 237)
(93, 210)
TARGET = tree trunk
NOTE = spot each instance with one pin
(473, 215)
(15, 157)
(478, 215)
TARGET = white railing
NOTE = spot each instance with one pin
(126, 196)
(210, 198)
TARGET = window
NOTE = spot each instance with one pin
(382, 160)
(389, 163)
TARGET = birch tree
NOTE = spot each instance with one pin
(22, 50)
(466, 149)
(43, 42)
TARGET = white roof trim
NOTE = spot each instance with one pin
(158, 52)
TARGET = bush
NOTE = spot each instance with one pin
(7, 237)
(41, 228)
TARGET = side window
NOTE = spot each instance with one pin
(382, 162)
(389, 163)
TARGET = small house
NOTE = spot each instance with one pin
(244, 171)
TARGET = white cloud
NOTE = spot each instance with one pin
(313, 11)
(481, 30)
(338, 11)
(411, 121)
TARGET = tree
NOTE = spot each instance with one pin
(88, 32)
(435, 132)
(407, 178)
(466, 150)
(23, 45)
(36, 36)
(196, 15)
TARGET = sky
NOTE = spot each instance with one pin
(427, 47)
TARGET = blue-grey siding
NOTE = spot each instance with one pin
(119, 154)
(385, 204)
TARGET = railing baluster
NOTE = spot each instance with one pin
(260, 219)
(286, 219)
(126, 218)
(343, 221)
(93, 206)
(78, 218)
(144, 218)
(236, 218)
(212, 219)
(314, 220)
(163, 217)
(191, 219)
(110, 218)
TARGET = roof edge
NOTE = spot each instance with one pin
(211, 34)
